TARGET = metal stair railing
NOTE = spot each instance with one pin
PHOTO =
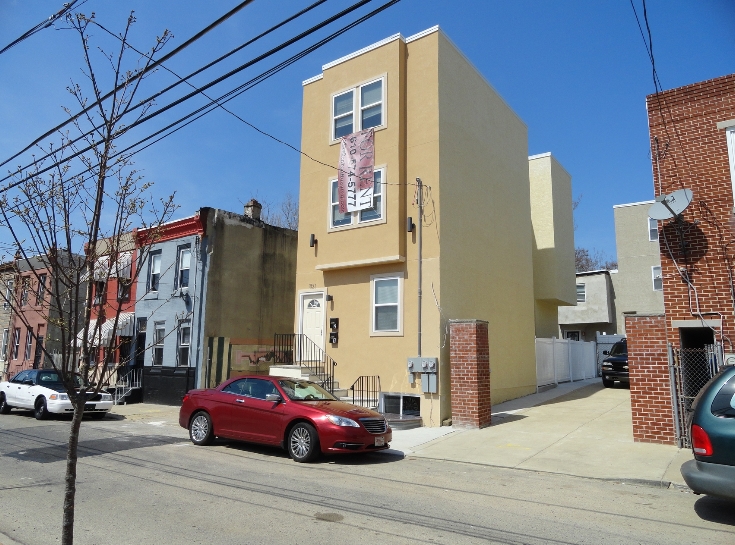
(298, 349)
(132, 380)
(366, 391)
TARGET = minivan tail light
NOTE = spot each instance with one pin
(700, 441)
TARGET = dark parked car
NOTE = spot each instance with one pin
(615, 365)
(297, 415)
(712, 471)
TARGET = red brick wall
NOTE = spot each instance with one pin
(650, 385)
(693, 154)
(469, 359)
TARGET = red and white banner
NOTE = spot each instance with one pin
(355, 175)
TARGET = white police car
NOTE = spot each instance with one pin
(42, 391)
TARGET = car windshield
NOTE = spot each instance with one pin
(619, 349)
(52, 377)
(303, 390)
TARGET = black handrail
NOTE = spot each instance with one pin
(366, 391)
(298, 349)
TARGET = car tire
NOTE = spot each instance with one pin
(200, 429)
(4, 407)
(41, 411)
(607, 383)
(303, 443)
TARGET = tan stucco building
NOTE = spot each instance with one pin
(435, 118)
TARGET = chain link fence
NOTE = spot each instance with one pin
(690, 370)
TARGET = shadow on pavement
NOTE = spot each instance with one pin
(94, 447)
(715, 510)
(504, 418)
(363, 458)
(582, 393)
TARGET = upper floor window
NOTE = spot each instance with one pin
(184, 264)
(581, 293)
(154, 272)
(25, 291)
(41, 289)
(99, 292)
(8, 294)
(652, 229)
(123, 289)
(658, 280)
(358, 109)
(184, 343)
(375, 213)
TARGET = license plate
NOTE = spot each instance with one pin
(89, 407)
(380, 441)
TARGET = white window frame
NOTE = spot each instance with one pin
(152, 257)
(179, 269)
(6, 338)
(29, 345)
(16, 343)
(355, 220)
(568, 331)
(584, 293)
(158, 342)
(183, 324)
(9, 295)
(358, 107)
(652, 225)
(384, 276)
(655, 277)
(730, 137)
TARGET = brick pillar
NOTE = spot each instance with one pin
(650, 383)
(469, 359)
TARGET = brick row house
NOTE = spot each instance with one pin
(692, 137)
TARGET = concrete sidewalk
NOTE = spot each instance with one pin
(579, 429)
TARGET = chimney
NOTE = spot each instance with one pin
(252, 209)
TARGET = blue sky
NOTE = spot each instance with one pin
(575, 71)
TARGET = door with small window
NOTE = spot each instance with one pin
(312, 318)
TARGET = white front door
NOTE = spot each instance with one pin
(312, 318)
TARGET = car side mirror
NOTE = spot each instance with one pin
(605, 352)
(275, 398)
(28, 382)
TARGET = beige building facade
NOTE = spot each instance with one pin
(435, 118)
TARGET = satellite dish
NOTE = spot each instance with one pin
(670, 206)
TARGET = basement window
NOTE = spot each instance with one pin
(402, 404)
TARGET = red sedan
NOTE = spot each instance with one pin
(298, 415)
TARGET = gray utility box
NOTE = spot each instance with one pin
(428, 367)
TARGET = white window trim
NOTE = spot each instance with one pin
(577, 331)
(357, 107)
(355, 222)
(28, 348)
(179, 254)
(653, 277)
(156, 344)
(5, 342)
(303, 294)
(180, 345)
(650, 229)
(730, 137)
(399, 332)
(585, 293)
(16, 343)
(151, 256)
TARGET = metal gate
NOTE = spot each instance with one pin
(690, 369)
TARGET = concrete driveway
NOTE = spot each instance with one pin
(580, 429)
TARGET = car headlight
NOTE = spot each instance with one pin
(342, 421)
(60, 397)
(106, 397)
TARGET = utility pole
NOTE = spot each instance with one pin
(420, 191)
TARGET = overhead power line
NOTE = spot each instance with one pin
(134, 77)
(43, 24)
(199, 90)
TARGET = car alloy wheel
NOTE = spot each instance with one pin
(4, 407)
(303, 442)
(41, 412)
(200, 429)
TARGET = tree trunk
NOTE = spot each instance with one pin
(70, 489)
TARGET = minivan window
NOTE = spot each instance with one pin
(724, 402)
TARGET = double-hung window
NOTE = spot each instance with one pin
(184, 264)
(99, 292)
(658, 280)
(159, 334)
(154, 272)
(29, 345)
(358, 109)
(581, 293)
(9, 299)
(25, 291)
(41, 289)
(123, 289)
(4, 353)
(16, 342)
(386, 302)
(375, 213)
(652, 230)
(184, 343)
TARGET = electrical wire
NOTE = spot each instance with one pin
(43, 24)
(135, 77)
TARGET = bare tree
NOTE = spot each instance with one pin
(287, 214)
(584, 260)
(72, 222)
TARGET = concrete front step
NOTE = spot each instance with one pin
(398, 422)
(302, 373)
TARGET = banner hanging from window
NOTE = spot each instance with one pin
(355, 176)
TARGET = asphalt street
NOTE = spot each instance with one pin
(145, 483)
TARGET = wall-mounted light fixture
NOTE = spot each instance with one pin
(330, 297)
(312, 241)
(410, 226)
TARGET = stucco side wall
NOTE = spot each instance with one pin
(598, 304)
(636, 256)
(547, 322)
(485, 223)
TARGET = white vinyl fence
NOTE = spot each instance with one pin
(562, 360)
